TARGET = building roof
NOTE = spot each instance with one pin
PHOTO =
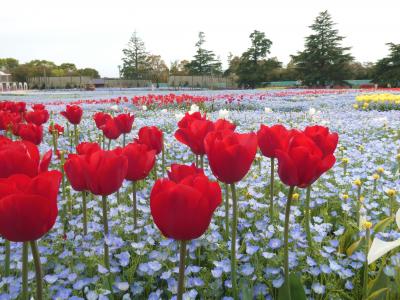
(4, 74)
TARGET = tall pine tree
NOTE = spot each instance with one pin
(204, 61)
(387, 70)
(135, 58)
(324, 61)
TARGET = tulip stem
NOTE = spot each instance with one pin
(105, 225)
(84, 213)
(7, 258)
(109, 144)
(197, 160)
(307, 217)
(286, 241)
(76, 134)
(233, 242)
(163, 161)
(25, 271)
(123, 139)
(226, 210)
(38, 270)
(181, 280)
(202, 161)
(271, 186)
(365, 284)
(358, 209)
(134, 204)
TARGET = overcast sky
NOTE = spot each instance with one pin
(92, 33)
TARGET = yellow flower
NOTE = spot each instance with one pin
(398, 156)
(362, 198)
(357, 182)
(391, 192)
(380, 170)
(355, 106)
(341, 148)
(345, 196)
(367, 225)
(295, 196)
(345, 160)
(375, 176)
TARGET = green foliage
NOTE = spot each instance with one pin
(134, 62)
(204, 61)
(387, 70)
(38, 68)
(324, 61)
(253, 66)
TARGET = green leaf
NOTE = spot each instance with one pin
(296, 289)
(381, 225)
(247, 290)
(378, 293)
(380, 281)
(346, 239)
(353, 247)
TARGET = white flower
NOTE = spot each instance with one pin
(312, 111)
(223, 114)
(144, 107)
(380, 248)
(164, 111)
(179, 116)
(267, 110)
(194, 108)
(114, 108)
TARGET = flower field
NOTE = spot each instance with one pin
(94, 185)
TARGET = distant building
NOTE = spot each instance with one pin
(4, 77)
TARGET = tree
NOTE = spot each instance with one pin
(8, 64)
(179, 68)
(135, 58)
(204, 62)
(93, 73)
(387, 70)
(157, 68)
(253, 66)
(324, 61)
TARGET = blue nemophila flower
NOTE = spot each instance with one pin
(275, 243)
(318, 288)
(278, 282)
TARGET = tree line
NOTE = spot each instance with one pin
(323, 62)
(42, 68)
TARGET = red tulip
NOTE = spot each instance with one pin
(105, 171)
(272, 138)
(222, 124)
(230, 154)
(111, 130)
(28, 206)
(179, 172)
(183, 210)
(9, 120)
(73, 113)
(152, 137)
(21, 158)
(38, 106)
(74, 169)
(141, 160)
(37, 117)
(124, 122)
(31, 132)
(192, 130)
(87, 148)
(56, 128)
(326, 141)
(101, 118)
(303, 162)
